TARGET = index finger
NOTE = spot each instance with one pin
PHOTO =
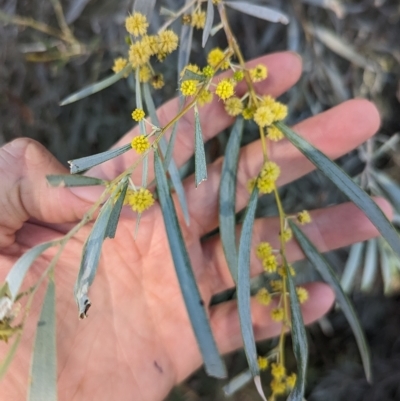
(284, 69)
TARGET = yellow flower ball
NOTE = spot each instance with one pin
(224, 89)
(233, 106)
(270, 264)
(263, 116)
(259, 73)
(140, 143)
(263, 297)
(198, 19)
(136, 24)
(144, 74)
(264, 249)
(215, 56)
(302, 294)
(303, 217)
(205, 96)
(138, 114)
(119, 64)
(277, 315)
(140, 200)
(262, 362)
(139, 54)
(274, 133)
(167, 41)
(189, 87)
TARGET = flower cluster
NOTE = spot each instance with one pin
(143, 47)
(267, 177)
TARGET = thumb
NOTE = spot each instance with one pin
(25, 193)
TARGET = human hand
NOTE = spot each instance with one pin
(137, 342)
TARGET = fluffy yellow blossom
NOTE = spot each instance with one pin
(262, 362)
(238, 75)
(144, 74)
(270, 170)
(287, 234)
(189, 87)
(258, 73)
(251, 184)
(140, 200)
(208, 71)
(157, 81)
(270, 264)
(151, 43)
(138, 114)
(119, 64)
(282, 271)
(264, 249)
(198, 19)
(263, 116)
(279, 111)
(278, 371)
(205, 96)
(139, 54)
(277, 387)
(233, 106)
(263, 297)
(167, 41)
(303, 217)
(215, 56)
(291, 380)
(274, 133)
(265, 185)
(225, 89)
(136, 24)
(140, 143)
(302, 294)
(267, 101)
(277, 315)
(276, 285)
(248, 113)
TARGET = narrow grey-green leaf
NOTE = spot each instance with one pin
(85, 163)
(237, 383)
(145, 7)
(200, 162)
(172, 168)
(96, 87)
(352, 266)
(328, 274)
(227, 197)
(67, 180)
(299, 339)
(90, 258)
(214, 364)
(390, 188)
(370, 265)
(8, 358)
(209, 22)
(243, 285)
(185, 43)
(116, 211)
(43, 375)
(346, 185)
(263, 12)
(17, 273)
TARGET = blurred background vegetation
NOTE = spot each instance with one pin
(349, 49)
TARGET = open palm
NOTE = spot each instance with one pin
(137, 341)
